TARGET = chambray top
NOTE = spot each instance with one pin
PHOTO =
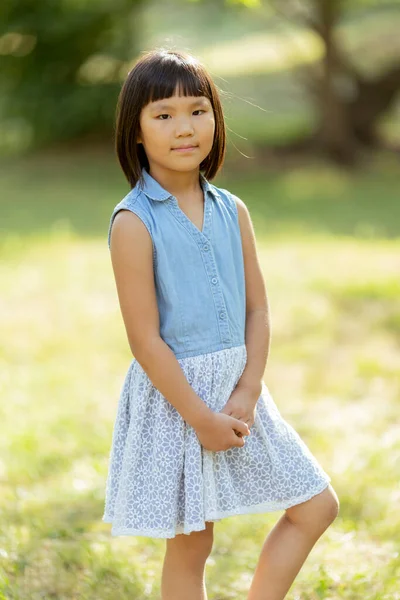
(199, 275)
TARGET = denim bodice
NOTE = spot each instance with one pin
(199, 275)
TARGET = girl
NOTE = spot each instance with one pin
(197, 435)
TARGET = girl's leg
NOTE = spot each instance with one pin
(289, 543)
(184, 565)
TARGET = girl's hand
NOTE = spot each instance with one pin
(219, 432)
(242, 405)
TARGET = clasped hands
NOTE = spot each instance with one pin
(242, 404)
(217, 431)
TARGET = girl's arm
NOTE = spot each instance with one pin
(132, 262)
(258, 330)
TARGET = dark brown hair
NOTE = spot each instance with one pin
(155, 76)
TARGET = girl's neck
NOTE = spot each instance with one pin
(181, 184)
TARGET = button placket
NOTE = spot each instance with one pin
(205, 246)
(220, 307)
(222, 317)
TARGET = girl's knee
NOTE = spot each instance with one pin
(321, 510)
(195, 547)
(330, 503)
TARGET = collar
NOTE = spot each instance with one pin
(155, 191)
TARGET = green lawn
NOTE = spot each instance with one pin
(329, 244)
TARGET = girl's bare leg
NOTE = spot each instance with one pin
(289, 543)
(184, 565)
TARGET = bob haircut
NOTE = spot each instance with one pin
(155, 76)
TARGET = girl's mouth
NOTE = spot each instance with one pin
(189, 149)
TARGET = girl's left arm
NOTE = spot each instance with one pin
(258, 330)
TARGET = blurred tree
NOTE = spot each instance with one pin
(62, 65)
(348, 102)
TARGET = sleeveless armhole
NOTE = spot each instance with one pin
(231, 198)
(231, 202)
(139, 213)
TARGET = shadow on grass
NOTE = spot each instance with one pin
(78, 191)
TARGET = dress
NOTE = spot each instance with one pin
(161, 482)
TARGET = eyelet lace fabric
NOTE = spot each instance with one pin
(162, 482)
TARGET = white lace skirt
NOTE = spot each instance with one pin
(162, 482)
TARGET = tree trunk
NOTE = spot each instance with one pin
(334, 134)
(373, 100)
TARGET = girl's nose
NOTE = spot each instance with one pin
(184, 127)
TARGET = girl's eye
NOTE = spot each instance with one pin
(166, 115)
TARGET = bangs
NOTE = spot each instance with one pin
(167, 76)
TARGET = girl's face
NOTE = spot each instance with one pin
(167, 124)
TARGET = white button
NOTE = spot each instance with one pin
(205, 247)
(222, 315)
(214, 280)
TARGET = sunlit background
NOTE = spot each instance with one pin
(310, 90)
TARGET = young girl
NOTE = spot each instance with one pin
(197, 436)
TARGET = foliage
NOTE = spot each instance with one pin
(62, 63)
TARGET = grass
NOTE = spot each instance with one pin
(328, 245)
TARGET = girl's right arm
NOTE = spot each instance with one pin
(132, 261)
